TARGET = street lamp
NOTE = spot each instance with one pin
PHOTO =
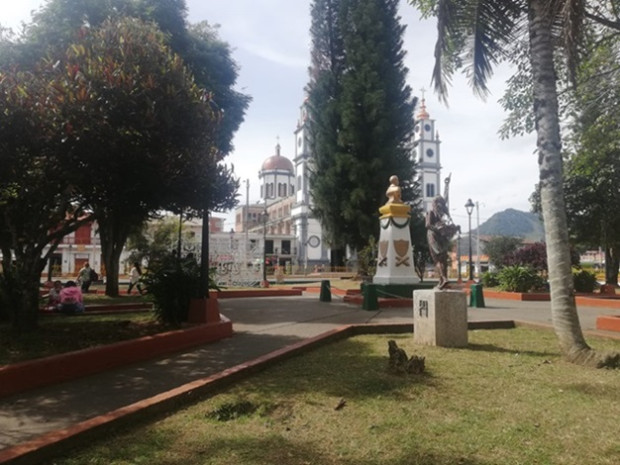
(469, 206)
(265, 216)
(458, 256)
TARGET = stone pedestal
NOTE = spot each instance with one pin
(395, 254)
(440, 318)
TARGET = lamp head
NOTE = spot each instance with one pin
(469, 206)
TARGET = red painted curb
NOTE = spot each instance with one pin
(258, 293)
(19, 377)
(608, 322)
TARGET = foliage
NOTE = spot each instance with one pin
(154, 152)
(173, 283)
(361, 116)
(490, 279)
(367, 258)
(419, 242)
(593, 167)
(37, 177)
(156, 239)
(584, 281)
(519, 279)
(531, 255)
(500, 248)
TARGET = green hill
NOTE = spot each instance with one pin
(514, 223)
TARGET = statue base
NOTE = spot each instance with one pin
(440, 318)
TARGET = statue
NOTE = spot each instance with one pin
(440, 230)
(393, 191)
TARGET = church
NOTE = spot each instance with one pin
(292, 236)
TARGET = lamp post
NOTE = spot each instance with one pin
(458, 256)
(469, 206)
(264, 218)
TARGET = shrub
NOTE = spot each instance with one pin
(584, 281)
(490, 279)
(367, 259)
(519, 279)
(173, 283)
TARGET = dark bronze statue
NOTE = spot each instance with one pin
(440, 231)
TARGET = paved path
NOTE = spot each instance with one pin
(261, 325)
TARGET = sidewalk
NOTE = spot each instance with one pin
(261, 325)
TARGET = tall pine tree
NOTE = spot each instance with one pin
(361, 115)
(324, 90)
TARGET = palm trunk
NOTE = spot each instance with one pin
(563, 307)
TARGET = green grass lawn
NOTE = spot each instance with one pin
(508, 398)
(62, 333)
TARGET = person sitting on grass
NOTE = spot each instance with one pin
(53, 297)
(71, 301)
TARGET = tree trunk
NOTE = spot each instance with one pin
(337, 259)
(563, 307)
(612, 265)
(20, 284)
(113, 238)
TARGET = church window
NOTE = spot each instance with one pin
(299, 182)
(427, 127)
(429, 153)
(430, 190)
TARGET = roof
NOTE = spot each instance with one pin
(278, 162)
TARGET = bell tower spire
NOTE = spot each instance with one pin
(426, 140)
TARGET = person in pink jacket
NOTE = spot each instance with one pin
(71, 300)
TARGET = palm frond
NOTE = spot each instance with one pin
(447, 16)
(493, 24)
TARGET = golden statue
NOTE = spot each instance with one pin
(393, 192)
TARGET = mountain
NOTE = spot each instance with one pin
(515, 223)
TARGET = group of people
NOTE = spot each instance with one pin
(69, 298)
(65, 298)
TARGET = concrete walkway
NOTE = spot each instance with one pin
(261, 325)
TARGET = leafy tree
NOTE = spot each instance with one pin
(143, 127)
(39, 202)
(500, 248)
(593, 169)
(61, 22)
(478, 34)
(361, 115)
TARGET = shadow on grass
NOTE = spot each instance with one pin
(278, 449)
(498, 349)
(354, 371)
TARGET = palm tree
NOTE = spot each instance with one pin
(478, 34)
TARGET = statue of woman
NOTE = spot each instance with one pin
(440, 230)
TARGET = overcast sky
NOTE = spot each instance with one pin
(271, 44)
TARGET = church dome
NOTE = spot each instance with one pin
(278, 162)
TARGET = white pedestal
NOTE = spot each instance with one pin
(395, 253)
(440, 318)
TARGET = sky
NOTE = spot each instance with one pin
(270, 43)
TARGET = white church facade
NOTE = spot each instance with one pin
(293, 236)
